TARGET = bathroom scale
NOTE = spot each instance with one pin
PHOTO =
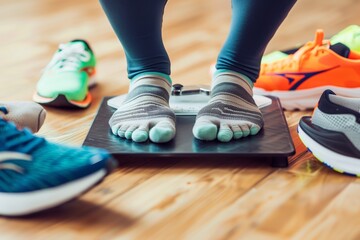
(273, 143)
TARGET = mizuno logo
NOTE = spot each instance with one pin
(297, 78)
(8, 156)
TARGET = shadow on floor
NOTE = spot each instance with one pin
(82, 215)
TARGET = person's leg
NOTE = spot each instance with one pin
(232, 113)
(145, 112)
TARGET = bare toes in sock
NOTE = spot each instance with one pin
(231, 113)
(145, 113)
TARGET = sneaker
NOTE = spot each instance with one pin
(277, 55)
(332, 134)
(67, 78)
(349, 36)
(299, 79)
(36, 175)
(24, 114)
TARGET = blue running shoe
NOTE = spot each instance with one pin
(36, 175)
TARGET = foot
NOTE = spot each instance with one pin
(146, 114)
(231, 112)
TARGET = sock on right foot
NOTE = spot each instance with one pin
(231, 112)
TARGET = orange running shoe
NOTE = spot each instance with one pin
(301, 78)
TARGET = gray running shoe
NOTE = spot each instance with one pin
(23, 114)
(332, 134)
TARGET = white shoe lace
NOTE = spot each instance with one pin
(69, 57)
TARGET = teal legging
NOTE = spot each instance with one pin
(138, 25)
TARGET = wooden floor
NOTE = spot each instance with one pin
(175, 200)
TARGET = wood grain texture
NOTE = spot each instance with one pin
(175, 199)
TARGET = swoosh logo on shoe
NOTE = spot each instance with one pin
(304, 76)
(7, 156)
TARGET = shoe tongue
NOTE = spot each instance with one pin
(319, 37)
(341, 49)
(318, 42)
(338, 48)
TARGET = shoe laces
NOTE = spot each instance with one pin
(20, 140)
(294, 61)
(69, 57)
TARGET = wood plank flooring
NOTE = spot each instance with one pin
(175, 199)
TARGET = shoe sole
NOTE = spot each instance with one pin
(335, 161)
(62, 102)
(20, 204)
(307, 98)
(23, 204)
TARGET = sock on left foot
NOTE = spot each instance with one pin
(231, 112)
(146, 114)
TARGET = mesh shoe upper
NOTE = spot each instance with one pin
(29, 163)
(314, 65)
(350, 36)
(339, 114)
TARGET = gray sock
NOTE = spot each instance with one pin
(231, 113)
(146, 112)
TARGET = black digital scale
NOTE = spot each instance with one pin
(273, 142)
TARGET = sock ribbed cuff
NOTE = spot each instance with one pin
(242, 76)
(145, 74)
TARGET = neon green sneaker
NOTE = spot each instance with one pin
(67, 78)
(349, 36)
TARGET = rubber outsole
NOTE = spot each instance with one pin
(20, 204)
(62, 102)
(335, 161)
(305, 98)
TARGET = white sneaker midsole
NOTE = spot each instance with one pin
(335, 160)
(17, 204)
(306, 98)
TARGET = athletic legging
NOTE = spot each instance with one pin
(138, 24)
